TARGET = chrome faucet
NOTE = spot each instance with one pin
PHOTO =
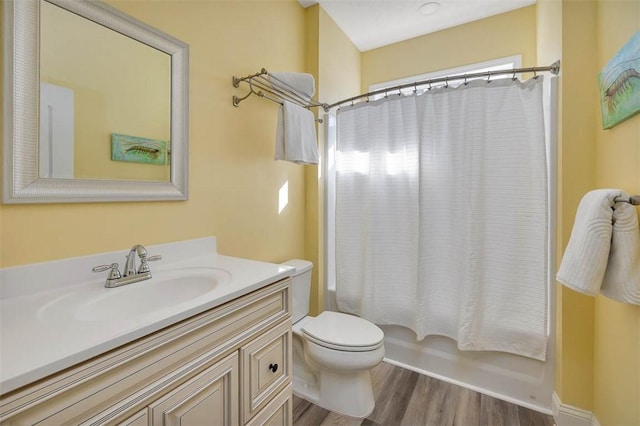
(131, 274)
(130, 263)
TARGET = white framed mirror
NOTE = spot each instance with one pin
(75, 130)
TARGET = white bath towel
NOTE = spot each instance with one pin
(585, 260)
(296, 135)
(597, 247)
(296, 131)
(302, 83)
(622, 277)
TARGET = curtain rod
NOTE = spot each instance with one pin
(553, 68)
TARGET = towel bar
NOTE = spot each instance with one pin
(280, 91)
(634, 200)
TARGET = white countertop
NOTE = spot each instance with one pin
(36, 340)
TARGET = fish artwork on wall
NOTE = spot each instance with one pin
(619, 82)
(138, 150)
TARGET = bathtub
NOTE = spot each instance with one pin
(523, 381)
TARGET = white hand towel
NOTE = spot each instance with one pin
(585, 260)
(296, 135)
(622, 277)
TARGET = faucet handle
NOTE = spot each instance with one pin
(114, 273)
(144, 267)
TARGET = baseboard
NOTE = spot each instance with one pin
(567, 415)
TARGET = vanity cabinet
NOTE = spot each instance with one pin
(230, 365)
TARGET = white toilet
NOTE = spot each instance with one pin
(332, 353)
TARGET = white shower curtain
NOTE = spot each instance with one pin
(441, 214)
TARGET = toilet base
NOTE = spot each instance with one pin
(349, 394)
(332, 379)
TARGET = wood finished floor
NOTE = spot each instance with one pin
(404, 397)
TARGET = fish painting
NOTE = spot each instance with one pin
(138, 150)
(619, 84)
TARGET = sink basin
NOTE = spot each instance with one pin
(166, 288)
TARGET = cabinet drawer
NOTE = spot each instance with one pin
(278, 412)
(266, 368)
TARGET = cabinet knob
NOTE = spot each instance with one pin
(273, 367)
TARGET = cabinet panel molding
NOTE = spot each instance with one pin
(141, 418)
(211, 398)
(266, 368)
(278, 412)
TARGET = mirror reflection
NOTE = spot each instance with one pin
(105, 102)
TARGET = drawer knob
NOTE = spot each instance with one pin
(273, 367)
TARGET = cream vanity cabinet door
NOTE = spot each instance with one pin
(209, 399)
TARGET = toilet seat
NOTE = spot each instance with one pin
(335, 330)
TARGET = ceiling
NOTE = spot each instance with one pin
(375, 23)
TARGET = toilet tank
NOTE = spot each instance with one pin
(300, 287)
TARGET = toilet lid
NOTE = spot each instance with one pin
(343, 332)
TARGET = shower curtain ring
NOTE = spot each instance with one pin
(465, 80)
(446, 82)
(535, 74)
(386, 95)
(489, 77)
(514, 75)
(415, 88)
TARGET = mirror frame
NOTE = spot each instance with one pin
(21, 87)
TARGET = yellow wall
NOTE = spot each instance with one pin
(234, 181)
(616, 399)
(312, 185)
(119, 86)
(507, 34)
(335, 61)
(577, 163)
(597, 340)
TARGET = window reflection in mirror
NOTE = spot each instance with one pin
(96, 83)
